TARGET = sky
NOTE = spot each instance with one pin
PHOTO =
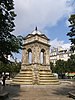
(50, 16)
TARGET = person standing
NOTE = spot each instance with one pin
(4, 78)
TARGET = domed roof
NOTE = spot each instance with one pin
(36, 32)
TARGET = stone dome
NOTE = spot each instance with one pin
(36, 32)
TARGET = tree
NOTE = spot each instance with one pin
(71, 34)
(71, 64)
(60, 66)
(52, 66)
(12, 68)
(9, 43)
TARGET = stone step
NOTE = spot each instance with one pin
(45, 75)
(50, 83)
(25, 72)
(22, 83)
(49, 78)
(45, 81)
(24, 77)
(27, 77)
(50, 75)
(21, 80)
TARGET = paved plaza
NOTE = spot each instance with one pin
(39, 92)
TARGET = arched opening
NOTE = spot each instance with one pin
(29, 56)
(42, 57)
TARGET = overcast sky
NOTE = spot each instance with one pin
(50, 16)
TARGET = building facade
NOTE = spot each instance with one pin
(59, 54)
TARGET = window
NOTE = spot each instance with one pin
(42, 56)
(29, 56)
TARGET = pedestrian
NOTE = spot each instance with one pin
(4, 78)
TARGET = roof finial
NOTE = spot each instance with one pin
(36, 28)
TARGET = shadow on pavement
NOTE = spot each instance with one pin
(12, 90)
(64, 90)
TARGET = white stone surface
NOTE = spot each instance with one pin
(36, 32)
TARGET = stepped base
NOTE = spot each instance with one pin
(39, 77)
(25, 77)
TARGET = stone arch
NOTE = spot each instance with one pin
(29, 56)
(42, 56)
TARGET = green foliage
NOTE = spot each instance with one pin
(52, 66)
(9, 43)
(15, 67)
(12, 68)
(71, 64)
(60, 66)
(71, 34)
(65, 66)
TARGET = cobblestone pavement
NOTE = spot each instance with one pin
(39, 92)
